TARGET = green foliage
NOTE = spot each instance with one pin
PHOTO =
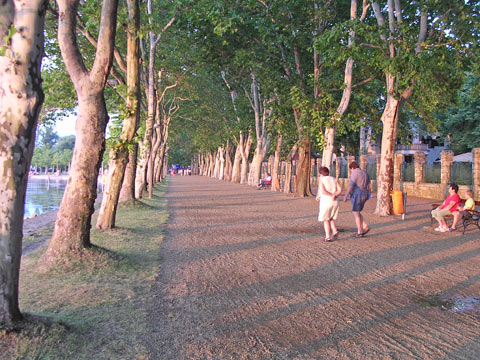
(47, 136)
(52, 150)
(461, 122)
(11, 31)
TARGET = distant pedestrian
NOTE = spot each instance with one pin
(359, 190)
(328, 190)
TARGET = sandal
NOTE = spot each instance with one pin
(357, 235)
(335, 236)
(328, 240)
(366, 232)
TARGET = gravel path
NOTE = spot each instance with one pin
(244, 274)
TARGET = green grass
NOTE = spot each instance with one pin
(93, 307)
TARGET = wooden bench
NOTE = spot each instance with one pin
(472, 216)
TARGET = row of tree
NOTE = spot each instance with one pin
(80, 75)
(51, 151)
(301, 76)
(225, 79)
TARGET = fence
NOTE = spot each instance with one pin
(417, 178)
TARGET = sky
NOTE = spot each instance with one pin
(66, 126)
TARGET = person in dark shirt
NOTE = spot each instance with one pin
(359, 190)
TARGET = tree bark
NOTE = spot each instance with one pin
(119, 154)
(212, 161)
(216, 168)
(221, 171)
(245, 153)
(385, 177)
(327, 155)
(303, 187)
(262, 139)
(237, 160)
(20, 103)
(146, 145)
(72, 227)
(288, 170)
(229, 163)
(128, 187)
(276, 163)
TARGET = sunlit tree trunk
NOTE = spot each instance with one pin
(392, 108)
(245, 152)
(21, 98)
(288, 170)
(217, 164)
(276, 163)
(228, 162)
(72, 227)
(128, 187)
(146, 144)
(262, 138)
(303, 168)
(119, 154)
(221, 171)
(385, 177)
(237, 160)
(327, 156)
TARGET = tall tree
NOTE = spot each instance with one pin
(146, 144)
(21, 98)
(72, 227)
(329, 138)
(423, 44)
(119, 153)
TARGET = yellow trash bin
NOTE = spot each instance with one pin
(397, 198)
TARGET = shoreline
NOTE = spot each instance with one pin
(35, 224)
(54, 177)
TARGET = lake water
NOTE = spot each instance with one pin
(43, 195)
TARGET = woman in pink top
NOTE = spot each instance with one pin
(449, 206)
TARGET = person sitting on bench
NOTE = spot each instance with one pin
(449, 206)
(267, 181)
(469, 206)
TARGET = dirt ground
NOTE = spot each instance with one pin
(245, 274)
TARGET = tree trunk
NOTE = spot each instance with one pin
(119, 154)
(20, 103)
(385, 177)
(72, 227)
(328, 148)
(221, 171)
(141, 176)
(258, 157)
(237, 160)
(276, 163)
(162, 157)
(216, 168)
(152, 161)
(244, 166)
(203, 165)
(140, 172)
(128, 187)
(303, 169)
(228, 162)
(288, 170)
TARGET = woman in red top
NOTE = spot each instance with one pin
(449, 206)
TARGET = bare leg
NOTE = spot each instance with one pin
(361, 224)
(456, 217)
(328, 231)
(333, 227)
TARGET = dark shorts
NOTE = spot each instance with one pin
(359, 198)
